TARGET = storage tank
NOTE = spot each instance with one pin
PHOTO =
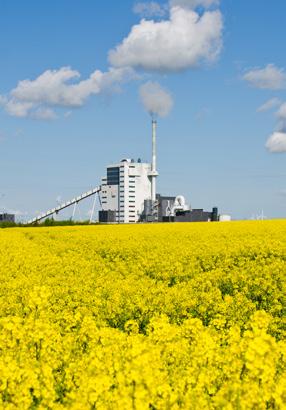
(214, 214)
(224, 218)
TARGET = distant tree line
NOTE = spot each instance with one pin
(46, 222)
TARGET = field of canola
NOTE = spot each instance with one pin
(177, 316)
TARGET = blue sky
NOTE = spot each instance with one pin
(211, 146)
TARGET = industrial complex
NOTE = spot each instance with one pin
(128, 194)
(126, 197)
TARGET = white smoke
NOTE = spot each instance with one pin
(156, 100)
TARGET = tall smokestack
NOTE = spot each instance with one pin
(157, 102)
(154, 172)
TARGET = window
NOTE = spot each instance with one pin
(113, 176)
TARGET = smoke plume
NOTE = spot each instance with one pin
(156, 100)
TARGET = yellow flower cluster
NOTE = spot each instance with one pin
(174, 316)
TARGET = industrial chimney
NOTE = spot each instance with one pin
(153, 174)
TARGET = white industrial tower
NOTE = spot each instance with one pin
(154, 174)
(125, 188)
(129, 184)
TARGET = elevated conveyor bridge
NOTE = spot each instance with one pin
(67, 204)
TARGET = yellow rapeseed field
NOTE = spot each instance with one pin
(174, 316)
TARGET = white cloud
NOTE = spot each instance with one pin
(15, 107)
(184, 41)
(270, 77)
(43, 114)
(281, 113)
(34, 98)
(277, 142)
(58, 87)
(156, 100)
(150, 9)
(193, 4)
(268, 105)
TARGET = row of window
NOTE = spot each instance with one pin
(113, 176)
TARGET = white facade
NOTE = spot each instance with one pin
(224, 218)
(125, 188)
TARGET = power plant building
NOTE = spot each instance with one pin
(128, 195)
(124, 190)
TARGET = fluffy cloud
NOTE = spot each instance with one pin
(268, 105)
(270, 77)
(34, 98)
(193, 4)
(277, 142)
(14, 107)
(182, 42)
(281, 113)
(150, 9)
(55, 87)
(156, 100)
